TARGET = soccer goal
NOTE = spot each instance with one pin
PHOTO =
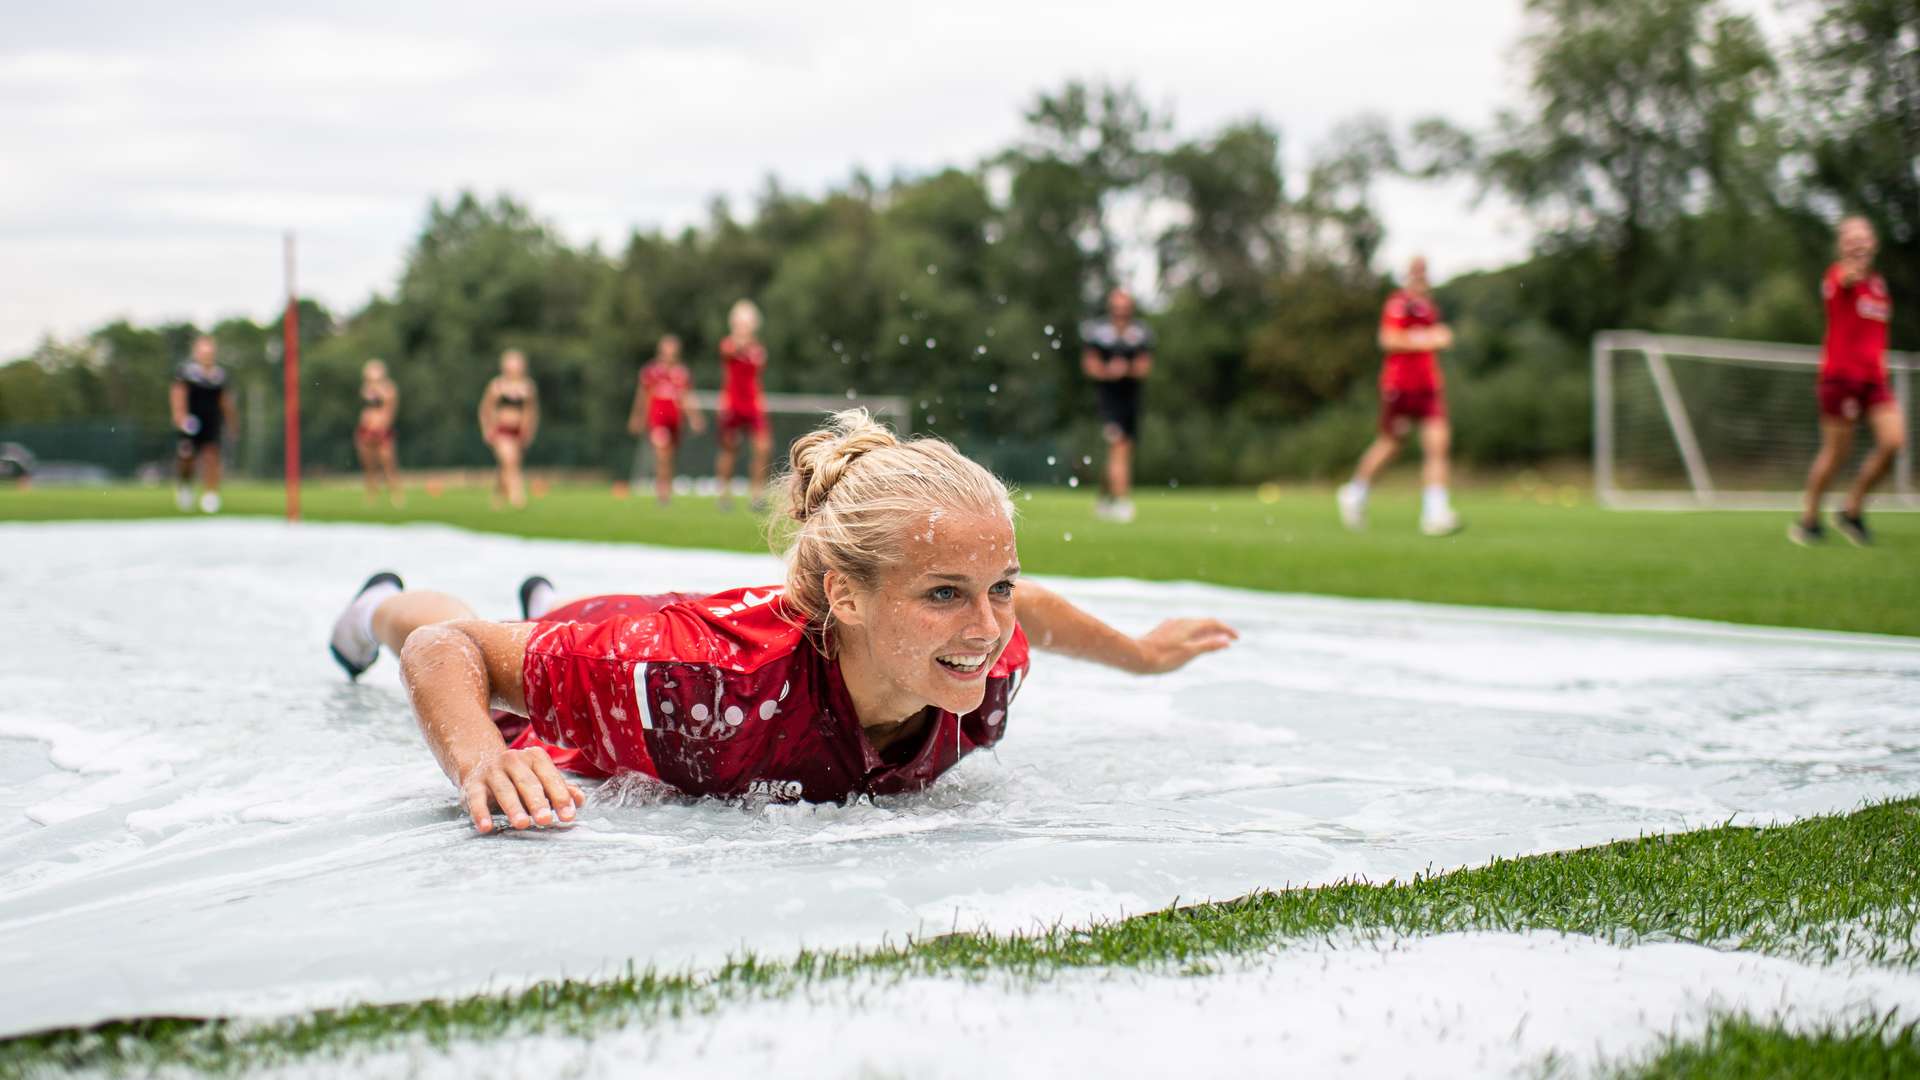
(1691, 423)
(790, 415)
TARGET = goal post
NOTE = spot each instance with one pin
(1709, 423)
(790, 416)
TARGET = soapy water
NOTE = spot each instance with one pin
(202, 815)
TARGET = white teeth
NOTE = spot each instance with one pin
(963, 663)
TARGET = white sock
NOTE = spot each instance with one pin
(1358, 488)
(540, 600)
(1433, 500)
(366, 602)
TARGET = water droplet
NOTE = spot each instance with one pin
(931, 343)
(903, 339)
(993, 388)
(1085, 459)
(1051, 460)
(1073, 481)
(981, 349)
(1049, 330)
(1068, 537)
(932, 269)
(850, 393)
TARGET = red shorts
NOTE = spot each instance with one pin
(372, 437)
(731, 422)
(1401, 409)
(505, 431)
(664, 416)
(1851, 399)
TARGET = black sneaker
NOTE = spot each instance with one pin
(1806, 533)
(536, 597)
(352, 648)
(1854, 528)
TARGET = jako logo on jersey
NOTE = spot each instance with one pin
(747, 600)
(778, 790)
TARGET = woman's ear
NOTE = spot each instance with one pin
(843, 600)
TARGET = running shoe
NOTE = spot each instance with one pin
(1806, 533)
(183, 498)
(1353, 507)
(1854, 528)
(1121, 511)
(210, 502)
(353, 644)
(1443, 523)
(536, 597)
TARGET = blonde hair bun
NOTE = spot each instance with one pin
(820, 458)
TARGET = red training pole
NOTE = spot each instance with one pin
(291, 326)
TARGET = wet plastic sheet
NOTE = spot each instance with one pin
(201, 815)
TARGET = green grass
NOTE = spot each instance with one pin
(1737, 1048)
(1564, 555)
(1818, 890)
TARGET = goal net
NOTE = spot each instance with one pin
(790, 415)
(1688, 423)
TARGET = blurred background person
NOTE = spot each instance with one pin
(373, 436)
(509, 417)
(1117, 355)
(662, 401)
(1412, 394)
(1853, 385)
(743, 404)
(202, 408)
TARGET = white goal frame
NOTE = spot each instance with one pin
(696, 468)
(1897, 492)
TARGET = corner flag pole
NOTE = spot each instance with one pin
(291, 327)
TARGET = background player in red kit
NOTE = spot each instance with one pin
(743, 405)
(1853, 385)
(661, 400)
(895, 647)
(1412, 394)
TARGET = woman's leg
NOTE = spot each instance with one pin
(723, 464)
(404, 612)
(390, 465)
(762, 454)
(662, 464)
(1889, 436)
(1836, 443)
(364, 448)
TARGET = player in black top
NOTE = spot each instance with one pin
(202, 409)
(1117, 356)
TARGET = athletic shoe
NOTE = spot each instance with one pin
(1353, 507)
(353, 644)
(1854, 528)
(1121, 511)
(210, 502)
(536, 597)
(1806, 533)
(183, 498)
(1443, 523)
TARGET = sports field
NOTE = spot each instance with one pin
(1537, 546)
(1340, 740)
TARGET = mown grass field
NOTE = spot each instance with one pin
(1532, 547)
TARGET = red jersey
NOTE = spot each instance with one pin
(740, 369)
(1857, 315)
(725, 695)
(1409, 371)
(665, 381)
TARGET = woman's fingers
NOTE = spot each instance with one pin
(479, 807)
(533, 794)
(506, 798)
(559, 793)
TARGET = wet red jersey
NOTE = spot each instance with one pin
(1857, 315)
(665, 382)
(1409, 371)
(740, 376)
(725, 695)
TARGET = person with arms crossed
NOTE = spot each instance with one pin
(373, 436)
(202, 408)
(1118, 357)
(895, 647)
(743, 405)
(509, 417)
(1852, 386)
(661, 400)
(1412, 393)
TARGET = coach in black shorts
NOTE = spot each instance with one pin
(1118, 355)
(202, 408)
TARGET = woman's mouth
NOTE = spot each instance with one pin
(963, 665)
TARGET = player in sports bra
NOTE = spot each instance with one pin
(896, 646)
(1853, 386)
(509, 416)
(663, 399)
(373, 436)
(743, 404)
(202, 408)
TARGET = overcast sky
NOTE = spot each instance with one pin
(155, 153)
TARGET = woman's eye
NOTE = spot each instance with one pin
(944, 593)
(1003, 589)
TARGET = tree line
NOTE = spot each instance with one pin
(1682, 170)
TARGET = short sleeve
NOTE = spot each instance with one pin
(1395, 313)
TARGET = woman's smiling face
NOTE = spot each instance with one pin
(932, 627)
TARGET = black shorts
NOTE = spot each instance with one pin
(208, 435)
(1119, 408)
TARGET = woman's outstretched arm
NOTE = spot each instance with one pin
(455, 673)
(1053, 624)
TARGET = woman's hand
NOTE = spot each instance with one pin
(1170, 645)
(525, 786)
